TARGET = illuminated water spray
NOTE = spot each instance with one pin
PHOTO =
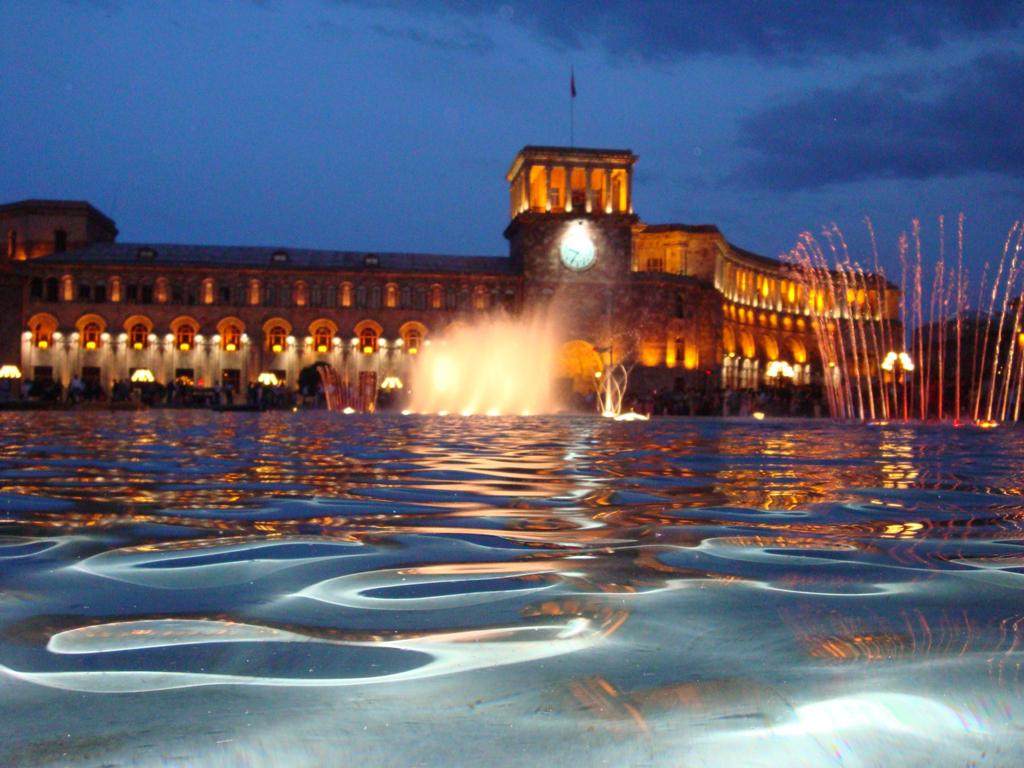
(936, 357)
(496, 366)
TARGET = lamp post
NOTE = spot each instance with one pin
(10, 375)
(897, 364)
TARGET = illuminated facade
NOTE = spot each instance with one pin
(689, 308)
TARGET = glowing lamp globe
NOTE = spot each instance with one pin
(268, 379)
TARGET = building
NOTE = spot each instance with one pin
(679, 302)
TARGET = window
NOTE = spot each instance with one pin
(52, 289)
(654, 264)
(332, 296)
(405, 302)
(138, 336)
(390, 295)
(99, 293)
(368, 341)
(285, 295)
(346, 294)
(60, 241)
(360, 296)
(185, 337)
(41, 336)
(131, 293)
(91, 336)
(316, 295)
(270, 296)
(231, 339)
(147, 294)
(322, 338)
(480, 298)
(279, 257)
(84, 292)
(451, 299)
(224, 294)
(413, 340)
(374, 297)
(12, 244)
(35, 290)
(177, 295)
(420, 298)
(276, 339)
(435, 297)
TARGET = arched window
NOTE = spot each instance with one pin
(208, 290)
(301, 293)
(346, 294)
(316, 295)
(436, 300)
(413, 340)
(185, 337)
(368, 340)
(91, 336)
(41, 336)
(480, 298)
(231, 338)
(322, 338)
(161, 291)
(391, 296)
(138, 336)
(254, 291)
(276, 338)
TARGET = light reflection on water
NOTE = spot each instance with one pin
(277, 588)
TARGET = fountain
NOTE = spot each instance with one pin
(956, 362)
(498, 366)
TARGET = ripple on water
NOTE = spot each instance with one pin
(574, 575)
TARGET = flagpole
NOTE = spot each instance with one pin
(572, 106)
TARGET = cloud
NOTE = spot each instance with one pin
(902, 126)
(464, 40)
(791, 30)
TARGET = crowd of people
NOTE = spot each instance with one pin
(805, 401)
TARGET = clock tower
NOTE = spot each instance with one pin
(572, 226)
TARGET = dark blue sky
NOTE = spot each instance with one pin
(390, 125)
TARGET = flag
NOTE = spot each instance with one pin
(572, 84)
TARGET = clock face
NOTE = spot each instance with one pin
(577, 249)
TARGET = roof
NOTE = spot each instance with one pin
(697, 229)
(750, 255)
(260, 257)
(45, 206)
(617, 157)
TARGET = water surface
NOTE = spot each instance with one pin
(193, 588)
